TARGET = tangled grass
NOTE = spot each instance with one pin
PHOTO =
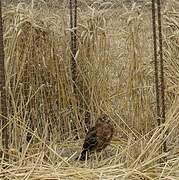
(115, 75)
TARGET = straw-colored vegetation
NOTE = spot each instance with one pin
(115, 75)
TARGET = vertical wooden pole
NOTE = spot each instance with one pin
(162, 83)
(159, 67)
(3, 106)
(73, 26)
(156, 62)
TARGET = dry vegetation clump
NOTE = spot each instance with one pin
(115, 75)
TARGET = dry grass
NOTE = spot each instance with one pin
(115, 75)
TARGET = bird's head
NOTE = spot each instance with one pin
(104, 118)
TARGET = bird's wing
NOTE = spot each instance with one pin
(90, 139)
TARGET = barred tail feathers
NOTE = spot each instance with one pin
(83, 155)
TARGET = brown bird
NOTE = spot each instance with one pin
(98, 137)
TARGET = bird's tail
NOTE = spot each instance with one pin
(83, 155)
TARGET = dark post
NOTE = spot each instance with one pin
(73, 26)
(156, 62)
(3, 109)
(162, 83)
(159, 67)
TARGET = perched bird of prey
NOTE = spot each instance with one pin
(98, 137)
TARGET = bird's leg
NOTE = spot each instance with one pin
(96, 156)
(106, 154)
(101, 155)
